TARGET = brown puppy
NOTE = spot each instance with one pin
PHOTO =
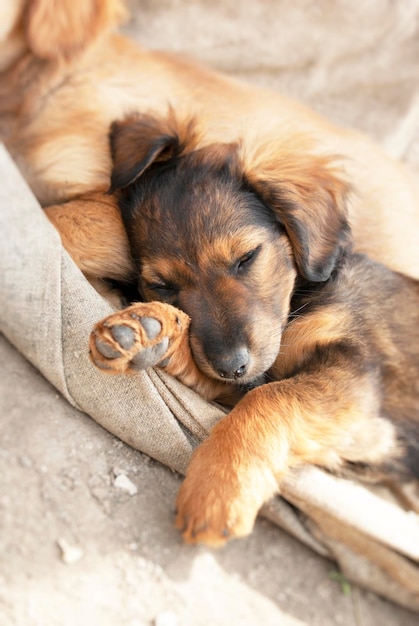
(65, 76)
(265, 284)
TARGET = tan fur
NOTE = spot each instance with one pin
(303, 334)
(66, 77)
(61, 29)
(324, 323)
(98, 246)
(319, 418)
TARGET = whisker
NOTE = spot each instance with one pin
(299, 308)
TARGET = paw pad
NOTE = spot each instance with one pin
(124, 336)
(137, 338)
(106, 349)
(150, 356)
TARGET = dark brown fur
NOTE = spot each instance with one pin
(264, 270)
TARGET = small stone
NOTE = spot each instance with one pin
(166, 618)
(116, 471)
(123, 482)
(69, 554)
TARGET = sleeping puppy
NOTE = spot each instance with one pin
(65, 75)
(252, 288)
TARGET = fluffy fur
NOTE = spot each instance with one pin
(64, 77)
(272, 292)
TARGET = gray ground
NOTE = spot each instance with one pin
(76, 548)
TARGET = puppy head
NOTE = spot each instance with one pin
(221, 242)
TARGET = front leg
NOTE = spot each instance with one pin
(314, 418)
(149, 334)
(92, 232)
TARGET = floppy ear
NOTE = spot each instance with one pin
(140, 140)
(62, 29)
(309, 198)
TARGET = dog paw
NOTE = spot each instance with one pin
(136, 338)
(215, 506)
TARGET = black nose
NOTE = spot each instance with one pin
(232, 365)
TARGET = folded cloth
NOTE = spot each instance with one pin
(47, 311)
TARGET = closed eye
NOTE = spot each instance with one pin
(165, 291)
(245, 261)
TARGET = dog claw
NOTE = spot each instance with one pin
(195, 532)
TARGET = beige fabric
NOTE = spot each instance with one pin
(47, 311)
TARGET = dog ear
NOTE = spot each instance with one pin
(308, 196)
(62, 29)
(140, 140)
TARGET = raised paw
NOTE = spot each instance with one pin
(141, 336)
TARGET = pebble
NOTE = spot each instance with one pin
(167, 618)
(69, 553)
(123, 482)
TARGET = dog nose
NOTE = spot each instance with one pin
(233, 365)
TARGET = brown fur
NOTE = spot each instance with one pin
(64, 77)
(265, 273)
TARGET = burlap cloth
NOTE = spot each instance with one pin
(47, 312)
(325, 53)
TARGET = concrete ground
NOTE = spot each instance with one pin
(87, 536)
